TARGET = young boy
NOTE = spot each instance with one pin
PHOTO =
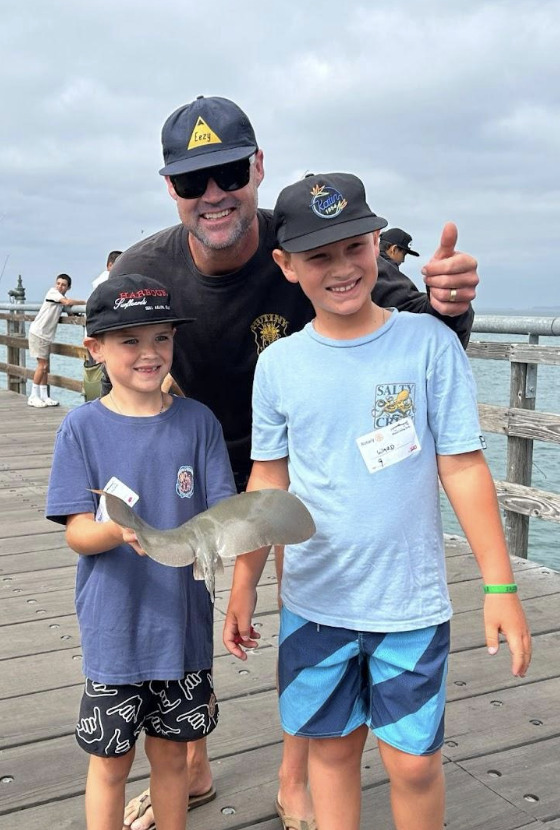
(41, 334)
(357, 415)
(146, 628)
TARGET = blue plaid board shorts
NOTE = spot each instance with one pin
(333, 680)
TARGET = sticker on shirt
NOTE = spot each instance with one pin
(387, 446)
(185, 482)
(267, 328)
(117, 488)
(393, 401)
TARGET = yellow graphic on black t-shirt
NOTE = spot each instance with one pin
(267, 328)
(202, 134)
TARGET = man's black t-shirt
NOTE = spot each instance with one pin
(237, 316)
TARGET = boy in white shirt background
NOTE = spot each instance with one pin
(41, 335)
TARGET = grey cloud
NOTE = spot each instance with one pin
(447, 111)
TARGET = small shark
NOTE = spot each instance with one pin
(230, 528)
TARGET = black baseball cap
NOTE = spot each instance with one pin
(206, 133)
(323, 208)
(400, 238)
(127, 301)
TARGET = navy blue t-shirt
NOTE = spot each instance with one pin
(140, 620)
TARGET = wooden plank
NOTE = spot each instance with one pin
(65, 349)
(18, 609)
(528, 501)
(16, 478)
(40, 637)
(33, 542)
(461, 568)
(514, 352)
(54, 380)
(29, 562)
(493, 418)
(519, 462)
(28, 463)
(472, 806)
(12, 529)
(538, 426)
(475, 672)
(528, 777)
(501, 720)
(36, 444)
(486, 350)
(37, 584)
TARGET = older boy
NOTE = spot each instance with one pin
(146, 629)
(357, 415)
(41, 334)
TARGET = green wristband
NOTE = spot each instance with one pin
(511, 588)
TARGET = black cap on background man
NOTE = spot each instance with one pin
(395, 245)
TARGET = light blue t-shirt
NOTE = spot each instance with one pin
(140, 620)
(376, 562)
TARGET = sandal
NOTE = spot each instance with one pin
(144, 802)
(291, 823)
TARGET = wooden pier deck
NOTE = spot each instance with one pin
(502, 742)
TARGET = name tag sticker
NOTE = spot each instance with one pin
(389, 445)
(117, 488)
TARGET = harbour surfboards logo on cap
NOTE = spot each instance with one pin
(326, 201)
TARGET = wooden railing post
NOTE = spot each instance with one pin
(16, 328)
(523, 393)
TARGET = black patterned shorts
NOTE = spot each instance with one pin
(112, 717)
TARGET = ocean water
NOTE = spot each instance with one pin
(492, 379)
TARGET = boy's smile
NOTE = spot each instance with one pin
(137, 358)
(338, 278)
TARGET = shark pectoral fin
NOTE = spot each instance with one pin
(198, 571)
(255, 520)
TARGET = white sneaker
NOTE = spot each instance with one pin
(50, 402)
(35, 401)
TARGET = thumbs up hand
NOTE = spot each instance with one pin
(451, 276)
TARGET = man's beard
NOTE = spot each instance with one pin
(237, 232)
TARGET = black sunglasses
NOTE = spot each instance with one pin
(228, 177)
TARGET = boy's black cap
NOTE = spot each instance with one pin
(400, 238)
(129, 300)
(323, 208)
(205, 133)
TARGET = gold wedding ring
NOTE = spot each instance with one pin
(452, 295)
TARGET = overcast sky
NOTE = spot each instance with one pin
(447, 111)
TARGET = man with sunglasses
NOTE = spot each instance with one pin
(217, 264)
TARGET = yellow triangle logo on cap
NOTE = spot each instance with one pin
(202, 134)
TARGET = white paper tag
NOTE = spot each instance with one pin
(389, 445)
(117, 488)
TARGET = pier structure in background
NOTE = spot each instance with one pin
(520, 422)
